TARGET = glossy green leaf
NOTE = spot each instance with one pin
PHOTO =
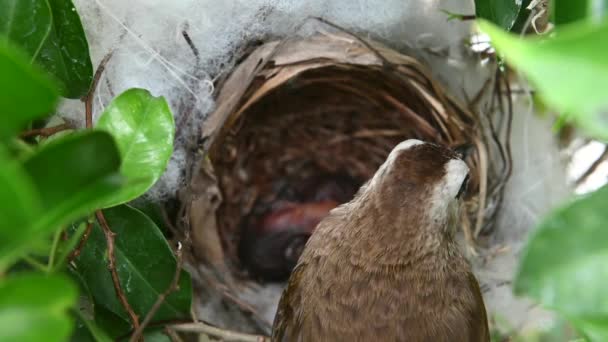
(20, 82)
(564, 263)
(65, 54)
(145, 265)
(500, 12)
(27, 23)
(73, 176)
(143, 127)
(34, 308)
(581, 50)
(87, 330)
(52, 34)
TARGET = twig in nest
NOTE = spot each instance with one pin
(88, 99)
(76, 252)
(46, 132)
(174, 286)
(226, 335)
(112, 268)
(173, 336)
(603, 157)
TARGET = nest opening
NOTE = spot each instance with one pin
(334, 124)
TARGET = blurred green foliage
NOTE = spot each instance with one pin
(49, 189)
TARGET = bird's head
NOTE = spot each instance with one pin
(421, 182)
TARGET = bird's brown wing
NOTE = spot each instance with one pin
(480, 318)
(285, 326)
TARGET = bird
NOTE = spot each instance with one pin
(272, 241)
(271, 248)
(385, 266)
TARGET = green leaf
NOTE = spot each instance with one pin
(19, 84)
(564, 263)
(582, 51)
(67, 166)
(65, 54)
(27, 23)
(594, 328)
(565, 12)
(34, 307)
(144, 262)
(87, 330)
(143, 127)
(19, 201)
(73, 176)
(52, 34)
(500, 12)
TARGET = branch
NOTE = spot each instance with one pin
(88, 99)
(76, 252)
(603, 157)
(174, 286)
(46, 132)
(203, 328)
(112, 267)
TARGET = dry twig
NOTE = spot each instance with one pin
(603, 157)
(76, 252)
(112, 268)
(226, 335)
(46, 132)
(174, 286)
(88, 99)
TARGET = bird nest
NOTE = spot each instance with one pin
(310, 119)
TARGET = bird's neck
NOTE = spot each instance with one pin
(396, 233)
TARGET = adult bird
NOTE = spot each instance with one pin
(385, 266)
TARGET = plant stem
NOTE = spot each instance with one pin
(35, 263)
(49, 267)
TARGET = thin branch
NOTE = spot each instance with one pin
(88, 99)
(603, 157)
(46, 132)
(174, 286)
(76, 252)
(227, 335)
(173, 336)
(112, 267)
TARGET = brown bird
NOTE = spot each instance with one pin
(385, 266)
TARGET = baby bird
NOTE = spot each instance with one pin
(385, 266)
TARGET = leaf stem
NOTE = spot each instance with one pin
(49, 267)
(35, 263)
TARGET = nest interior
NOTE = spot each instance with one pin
(320, 115)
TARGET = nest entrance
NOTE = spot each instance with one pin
(338, 120)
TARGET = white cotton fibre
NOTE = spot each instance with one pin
(151, 52)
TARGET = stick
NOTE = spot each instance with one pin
(46, 132)
(603, 157)
(88, 99)
(227, 335)
(174, 286)
(76, 252)
(112, 267)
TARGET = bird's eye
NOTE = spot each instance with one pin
(463, 187)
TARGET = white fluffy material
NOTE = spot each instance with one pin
(150, 51)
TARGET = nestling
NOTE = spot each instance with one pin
(385, 266)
